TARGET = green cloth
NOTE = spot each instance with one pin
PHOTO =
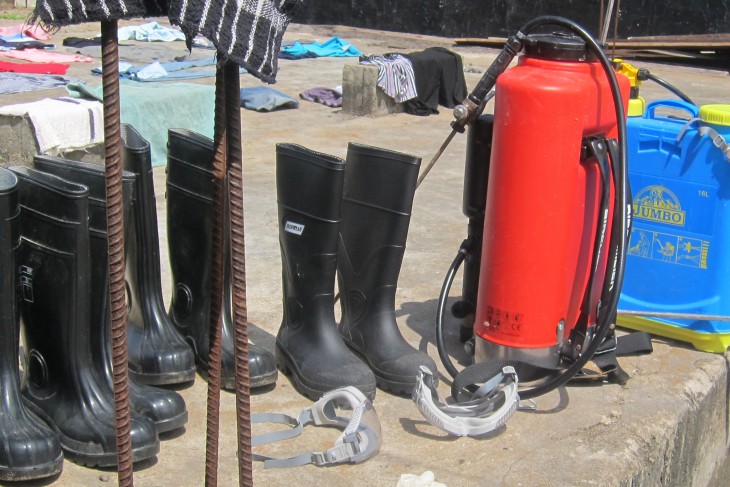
(152, 109)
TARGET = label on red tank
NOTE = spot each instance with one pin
(503, 321)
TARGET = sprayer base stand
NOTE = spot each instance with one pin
(484, 351)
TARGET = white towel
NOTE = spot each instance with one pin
(62, 123)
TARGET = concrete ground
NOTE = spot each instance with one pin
(668, 426)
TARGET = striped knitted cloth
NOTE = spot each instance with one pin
(247, 32)
(56, 13)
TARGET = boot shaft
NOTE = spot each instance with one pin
(53, 262)
(9, 241)
(376, 209)
(93, 176)
(309, 193)
(190, 225)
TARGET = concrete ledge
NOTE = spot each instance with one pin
(361, 94)
(19, 144)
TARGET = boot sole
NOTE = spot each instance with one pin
(229, 383)
(14, 474)
(288, 368)
(90, 454)
(387, 384)
(164, 379)
(172, 424)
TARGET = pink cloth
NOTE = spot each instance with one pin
(41, 56)
(34, 31)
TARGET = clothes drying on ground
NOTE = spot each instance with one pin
(62, 123)
(81, 41)
(166, 71)
(34, 31)
(440, 80)
(153, 108)
(22, 42)
(40, 56)
(333, 47)
(265, 99)
(34, 68)
(395, 75)
(251, 38)
(19, 83)
(150, 32)
(325, 96)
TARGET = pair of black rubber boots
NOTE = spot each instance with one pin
(58, 257)
(190, 186)
(348, 218)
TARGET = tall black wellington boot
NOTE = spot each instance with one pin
(189, 233)
(28, 447)
(65, 388)
(157, 353)
(308, 346)
(166, 408)
(376, 212)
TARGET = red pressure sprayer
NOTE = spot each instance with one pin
(544, 209)
(556, 212)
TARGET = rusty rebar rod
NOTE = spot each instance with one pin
(238, 273)
(217, 269)
(115, 229)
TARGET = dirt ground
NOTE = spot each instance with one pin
(618, 428)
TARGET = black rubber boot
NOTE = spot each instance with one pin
(189, 233)
(28, 448)
(308, 347)
(376, 211)
(157, 353)
(165, 408)
(66, 388)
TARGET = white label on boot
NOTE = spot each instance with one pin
(26, 283)
(295, 228)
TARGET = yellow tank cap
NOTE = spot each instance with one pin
(636, 107)
(716, 114)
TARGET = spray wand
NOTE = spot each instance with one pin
(473, 105)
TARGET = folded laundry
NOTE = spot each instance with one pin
(62, 123)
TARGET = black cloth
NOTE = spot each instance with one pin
(81, 41)
(55, 13)
(250, 36)
(20, 45)
(439, 75)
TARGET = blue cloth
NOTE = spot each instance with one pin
(151, 31)
(265, 99)
(333, 47)
(166, 71)
(21, 82)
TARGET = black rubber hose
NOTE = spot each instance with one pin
(440, 311)
(670, 87)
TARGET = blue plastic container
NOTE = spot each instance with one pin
(679, 250)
